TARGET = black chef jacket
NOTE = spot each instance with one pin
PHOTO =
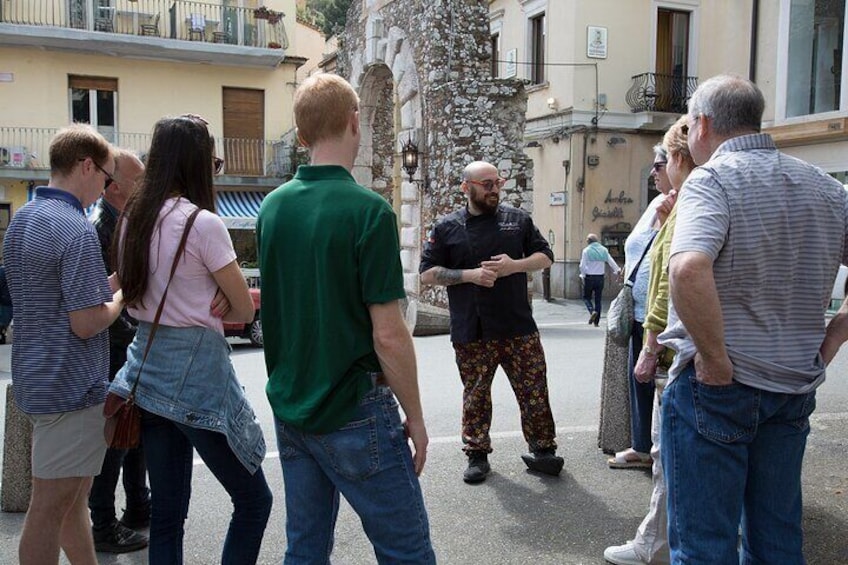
(462, 241)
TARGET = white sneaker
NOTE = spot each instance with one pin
(622, 555)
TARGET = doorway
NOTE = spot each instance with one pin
(94, 100)
(672, 63)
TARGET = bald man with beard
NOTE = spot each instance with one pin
(482, 254)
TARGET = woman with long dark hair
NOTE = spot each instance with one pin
(187, 388)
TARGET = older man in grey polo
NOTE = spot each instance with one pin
(747, 323)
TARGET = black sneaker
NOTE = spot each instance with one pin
(544, 461)
(118, 539)
(478, 467)
(136, 518)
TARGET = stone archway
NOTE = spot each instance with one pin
(375, 162)
(390, 114)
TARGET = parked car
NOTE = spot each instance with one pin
(251, 331)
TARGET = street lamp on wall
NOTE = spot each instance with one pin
(409, 154)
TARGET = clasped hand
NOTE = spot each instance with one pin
(489, 271)
(503, 265)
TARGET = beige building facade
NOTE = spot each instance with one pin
(799, 65)
(311, 42)
(120, 65)
(605, 79)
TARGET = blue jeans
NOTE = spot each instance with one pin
(641, 396)
(369, 462)
(593, 286)
(168, 451)
(733, 453)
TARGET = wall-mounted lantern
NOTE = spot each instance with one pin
(409, 154)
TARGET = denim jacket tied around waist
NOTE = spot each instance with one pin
(188, 378)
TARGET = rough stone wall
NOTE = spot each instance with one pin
(438, 52)
(383, 138)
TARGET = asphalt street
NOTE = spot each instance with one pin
(515, 517)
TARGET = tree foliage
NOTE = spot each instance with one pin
(333, 14)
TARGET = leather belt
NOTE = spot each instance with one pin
(379, 379)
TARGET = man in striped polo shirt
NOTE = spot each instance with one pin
(63, 302)
(747, 324)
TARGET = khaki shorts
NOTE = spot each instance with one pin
(68, 444)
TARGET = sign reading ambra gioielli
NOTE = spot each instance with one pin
(613, 206)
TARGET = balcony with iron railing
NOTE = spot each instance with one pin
(25, 150)
(653, 92)
(142, 23)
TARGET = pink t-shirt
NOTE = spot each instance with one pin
(208, 249)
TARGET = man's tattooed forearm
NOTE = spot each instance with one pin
(448, 276)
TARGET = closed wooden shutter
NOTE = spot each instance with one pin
(244, 131)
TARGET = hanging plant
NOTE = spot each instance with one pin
(264, 13)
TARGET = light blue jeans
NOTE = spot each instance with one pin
(369, 462)
(729, 453)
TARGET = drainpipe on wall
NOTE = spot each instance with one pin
(752, 63)
(566, 165)
(581, 184)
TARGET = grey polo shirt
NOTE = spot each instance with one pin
(776, 229)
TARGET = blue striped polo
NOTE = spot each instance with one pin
(776, 229)
(54, 266)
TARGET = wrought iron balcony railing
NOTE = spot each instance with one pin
(652, 92)
(174, 19)
(27, 149)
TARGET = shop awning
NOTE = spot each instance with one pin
(239, 209)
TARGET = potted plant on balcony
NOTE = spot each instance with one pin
(263, 13)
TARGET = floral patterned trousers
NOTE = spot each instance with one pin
(523, 361)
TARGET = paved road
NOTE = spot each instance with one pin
(514, 517)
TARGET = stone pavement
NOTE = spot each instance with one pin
(515, 517)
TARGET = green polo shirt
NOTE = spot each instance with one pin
(328, 248)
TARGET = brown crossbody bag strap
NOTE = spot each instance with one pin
(155, 325)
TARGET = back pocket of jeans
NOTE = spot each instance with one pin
(725, 413)
(352, 450)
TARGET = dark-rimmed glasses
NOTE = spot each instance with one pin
(658, 166)
(488, 184)
(109, 178)
(218, 163)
